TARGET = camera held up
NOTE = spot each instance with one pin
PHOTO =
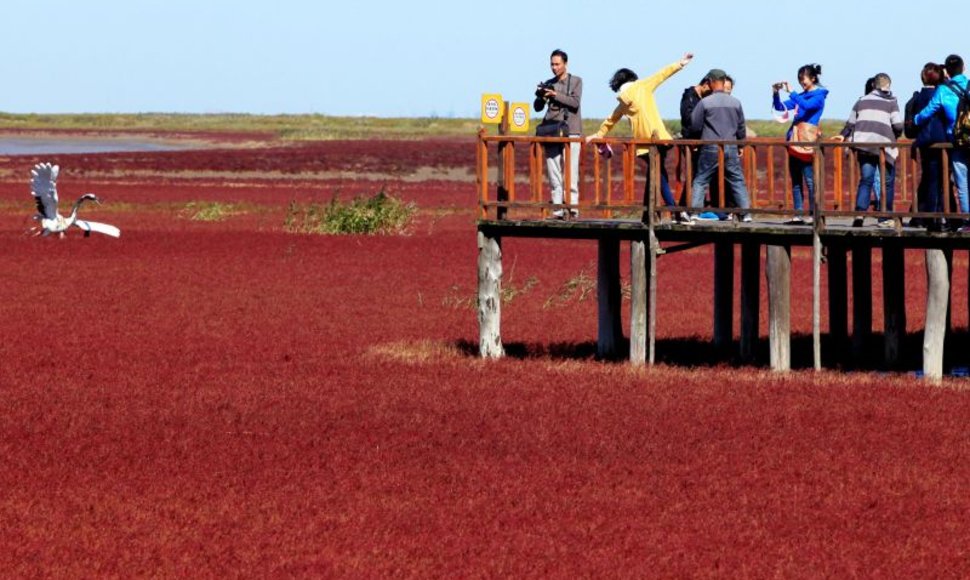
(542, 87)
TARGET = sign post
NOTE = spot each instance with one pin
(519, 117)
(492, 108)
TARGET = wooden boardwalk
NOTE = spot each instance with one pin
(831, 237)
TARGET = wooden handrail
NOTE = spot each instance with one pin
(760, 166)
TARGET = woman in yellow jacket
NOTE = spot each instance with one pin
(638, 104)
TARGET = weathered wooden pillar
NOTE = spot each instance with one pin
(816, 298)
(861, 302)
(638, 302)
(652, 253)
(609, 298)
(502, 192)
(723, 296)
(838, 282)
(948, 254)
(750, 299)
(894, 302)
(490, 296)
(937, 304)
(779, 307)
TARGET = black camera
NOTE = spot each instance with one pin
(542, 87)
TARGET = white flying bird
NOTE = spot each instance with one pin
(43, 184)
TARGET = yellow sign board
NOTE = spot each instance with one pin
(519, 117)
(492, 108)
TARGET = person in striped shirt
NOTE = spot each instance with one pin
(874, 123)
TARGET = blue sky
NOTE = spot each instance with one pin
(422, 57)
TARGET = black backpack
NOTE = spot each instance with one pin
(961, 128)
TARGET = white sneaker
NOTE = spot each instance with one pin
(808, 219)
(886, 223)
(746, 218)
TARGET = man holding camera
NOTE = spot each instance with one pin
(560, 97)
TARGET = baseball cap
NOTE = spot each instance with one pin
(716, 74)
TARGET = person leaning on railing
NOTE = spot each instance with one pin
(874, 123)
(722, 119)
(931, 132)
(638, 104)
(946, 99)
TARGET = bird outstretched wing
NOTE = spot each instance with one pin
(106, 229)
(43, 184)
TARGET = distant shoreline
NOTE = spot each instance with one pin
(297, 127)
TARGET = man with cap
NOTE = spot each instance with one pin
(720, 118)
(688, 101)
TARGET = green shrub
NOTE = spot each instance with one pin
(381, 214)
(211, 211)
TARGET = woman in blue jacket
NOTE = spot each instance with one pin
(808, 106)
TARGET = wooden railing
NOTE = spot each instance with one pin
(611, 188)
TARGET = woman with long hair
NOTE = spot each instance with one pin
(808, 106)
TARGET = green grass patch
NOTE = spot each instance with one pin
(211, 211)
(380, 214)
(315, 127)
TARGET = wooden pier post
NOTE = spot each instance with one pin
(750, 300)
(779, 307)
(610, 327)
(937, 305)
(638, 302)
(861, 302)
(838, 282)
(490, 296)
(894, 302)
(652, 253)
(723, 296)
(816, 297)
(502, 191)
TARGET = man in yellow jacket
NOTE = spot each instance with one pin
(637, 103)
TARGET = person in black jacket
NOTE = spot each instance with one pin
(688, 100)
(930, 190)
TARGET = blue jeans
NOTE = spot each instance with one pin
(664, 183)
(868, 166)
(958, 164)
(876, 186)
(733, 175)
(799, 169)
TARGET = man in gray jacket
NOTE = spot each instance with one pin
(561, 96)
(720, 118)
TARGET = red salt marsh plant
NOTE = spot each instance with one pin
(227, 398)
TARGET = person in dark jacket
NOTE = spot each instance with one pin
(560, 96)
(929, 191)
(945, 102)
(721, 118)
